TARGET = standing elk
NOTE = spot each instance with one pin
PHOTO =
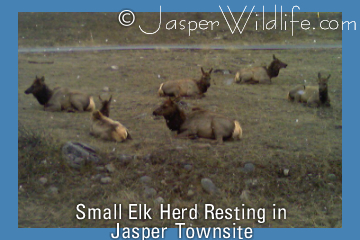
(260, 74)
(59, 98)
(313, 96)
(199, 123)
(107, 129)
(186, 87)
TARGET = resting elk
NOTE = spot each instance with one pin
(186, 87)
(312, 96)
(199, 123)
(60, 99)
(260, 74)
(107, 129)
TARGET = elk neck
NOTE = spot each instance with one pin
(323, 94)
(273, 70)
(43, 95)
(202, 85)
(175, 120)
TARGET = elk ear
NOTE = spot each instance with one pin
(274, 58)
(110, 98)
(328, 76)
(42, 79)
(202, 70)
(100, 98)
(210, 70)
(319, 75)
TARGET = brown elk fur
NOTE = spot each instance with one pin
(107, 129)
(260, 74)
(59, 98)
(313, 96)
(199, 123)
(105, 106)
(186, 87)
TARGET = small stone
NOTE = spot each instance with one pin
(106, 89)
(190, 193)
(331, 186)
(250, 183)
(188, 167)
(99, 168)
(248, 167)
(244, 196)
(149, 192)
(53, 190)
(228, 81)
(43, 180)
(96, 177)
(202, 145)
(105, 180)
(286, 172)
(159, 200)
(114, 67)
(21, 189)
(332, 177)
(110, 168)
(125, 159)
(208, 185)
(145, 180)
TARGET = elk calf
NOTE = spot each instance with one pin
(59, 98)
(313, 96)
(199, 123)
(186, 87)
(107, 129)
(105, 106)
(260, 74)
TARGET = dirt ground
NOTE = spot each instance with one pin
(277, 135)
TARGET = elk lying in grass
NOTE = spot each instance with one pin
(107, 129)
(105, 106)
(313, 96)
(260, 74)
(198, 123)
(186, 87)
(59, 98)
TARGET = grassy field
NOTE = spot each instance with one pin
(277, 134)
(94, 29)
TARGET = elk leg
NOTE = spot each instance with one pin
(187, 134)
(217, 132)
(52, 107)
(313, 101)
(77, 106)
(297, 97)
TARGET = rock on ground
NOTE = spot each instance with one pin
(208, 185)
(76, 154)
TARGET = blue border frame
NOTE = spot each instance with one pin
(9, 17)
